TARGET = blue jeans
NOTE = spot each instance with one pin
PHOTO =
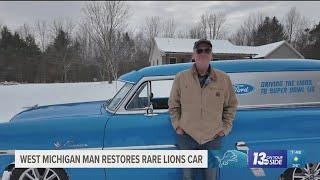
(186, 142)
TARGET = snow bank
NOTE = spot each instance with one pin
(15, 98)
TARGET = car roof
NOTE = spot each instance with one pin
(228, 66)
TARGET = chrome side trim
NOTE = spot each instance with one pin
(142, 147)
(142, 111)
(286, 105)
(244, 107)
(6, 152)
(113, 148)
(284, 140)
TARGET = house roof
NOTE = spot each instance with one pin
(228, 66)
(219, 47)
(265, 50)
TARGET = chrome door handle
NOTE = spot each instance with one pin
(151, 114)
(242, 146)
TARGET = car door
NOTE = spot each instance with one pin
(275, 121)
(132, 127)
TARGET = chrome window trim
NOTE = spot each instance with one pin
(132, 97)
(125, 81)
(124, 98)
(122, 108)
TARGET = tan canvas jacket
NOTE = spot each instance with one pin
(202, 112)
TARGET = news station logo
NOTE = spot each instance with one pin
(275, 158)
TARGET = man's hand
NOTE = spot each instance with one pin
(179, 130)
(220, 133)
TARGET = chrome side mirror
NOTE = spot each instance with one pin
(149, 109)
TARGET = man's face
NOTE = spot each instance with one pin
(203, 54)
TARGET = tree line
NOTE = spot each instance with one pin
(102, 46)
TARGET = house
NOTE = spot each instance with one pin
(174, 50)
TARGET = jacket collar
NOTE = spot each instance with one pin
(212, 73)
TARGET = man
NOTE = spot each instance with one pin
(202, 106)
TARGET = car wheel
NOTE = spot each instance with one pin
(309, 172)
(39, 174)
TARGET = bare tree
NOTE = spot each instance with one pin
(105, 20)
(41, 31)
(196, 32)
(141, 43)
(244, 35)
(210, 25)
(203, 25)
(65, 24)
(152, 29)
(25, 30)
(86, 43)
(215, 23)
(169, 28)
(41, 28)
(291, 22)
(295, 25)
(153, 26)
(61, 45)
(1, 24)
(239, 37)
(183, 34)
(300, 39)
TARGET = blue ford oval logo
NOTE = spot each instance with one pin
(243, 88)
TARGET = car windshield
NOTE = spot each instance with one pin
(119, 96)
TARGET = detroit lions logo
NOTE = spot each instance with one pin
(228, 156)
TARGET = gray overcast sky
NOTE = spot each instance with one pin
(15, 13)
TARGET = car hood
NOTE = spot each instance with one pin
(61, 110)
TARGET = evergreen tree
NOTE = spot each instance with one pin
(61, 56)
(18, 56)
(32, 54)
(270, 31)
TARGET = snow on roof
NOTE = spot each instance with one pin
(265, 50)
(219, 47)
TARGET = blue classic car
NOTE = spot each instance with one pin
(279, 108)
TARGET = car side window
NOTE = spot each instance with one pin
(161, 91)
(156, 92)
(140, 98)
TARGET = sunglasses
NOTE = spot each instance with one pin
(207, 50)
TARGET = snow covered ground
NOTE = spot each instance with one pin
(15, 98)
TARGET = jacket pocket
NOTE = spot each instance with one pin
(215, 98)
(189, 94)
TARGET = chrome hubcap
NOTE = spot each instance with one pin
(39, 174)
(310, 172)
